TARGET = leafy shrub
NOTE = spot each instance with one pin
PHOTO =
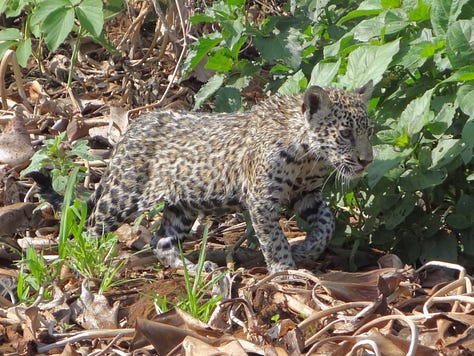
(58, 156)
(52, 21)
(417, 197)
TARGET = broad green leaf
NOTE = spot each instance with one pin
(368, 62)
(208, 89)
(237, 3)
(465, 99)
(441, 247)
(228, 99)
(4, 46)
(284, 42)
(23, 52)
(420, 13)
(201, 18)
(386, 158)
(443, 13)
(324, 72)
(238, 82)
(233, 34)
(460, 43)
(442, 121)
(14, 8)
(10, 34)
(467, 242)
(389, 22)
(362, 12)
(44, 8)
(400, 211)
(417, 114)
(468, 132)
(465, 205)
(418, 52)
(294, 84)
(462, 75)
(413, 179)
(90, 16)
(198, 51)
(220, 61)
(112, 8)
(446, 151)
(57, 26)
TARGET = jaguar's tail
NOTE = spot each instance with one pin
(45, 189)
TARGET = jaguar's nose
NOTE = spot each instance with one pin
(364, 162)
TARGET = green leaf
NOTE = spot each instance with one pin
(4, 46)
(468, 132)
(23, 52)
(386, 158)
(418, 52)
(368, 62)
(465, 99)
(112, 8)
(208, 89)
(444, 12)
(464, 74)
(324, 72)
(220, 61)
(57, 26)
(460, 43)
(294, 84)
(285, 41)
(443, 120)
(420, 13)
(44, 8)
(389, 22)
(400, 211)
(228, 99)
(90, 16)
(446, 151)
(441, 247)
(365, 9)
(14, 8)
(198, 51)
(417, 114)
(10, 34)
(413, 179)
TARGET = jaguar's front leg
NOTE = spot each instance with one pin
(313, 210)
(264, 213)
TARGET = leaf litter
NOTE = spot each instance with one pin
(389, 310)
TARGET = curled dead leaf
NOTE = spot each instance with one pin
(15, 143)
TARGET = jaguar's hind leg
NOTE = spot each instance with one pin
(175, 226)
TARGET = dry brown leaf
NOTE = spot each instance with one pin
(362, 286)
(165, 337)
(92, 311)
(18, 217)
(32, 324)
(196, 347)
(118, 123)
(15, 143)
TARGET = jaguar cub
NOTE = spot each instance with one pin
(197, 163)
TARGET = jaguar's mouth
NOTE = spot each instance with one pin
(349, 170)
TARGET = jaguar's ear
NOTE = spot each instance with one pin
(316, 103)
(365, 92)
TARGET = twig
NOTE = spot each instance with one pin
(176, 68)
(409, 322)
(10, 58)
(462, 274)
(91, 334)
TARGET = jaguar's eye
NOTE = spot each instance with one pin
(346, 133)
